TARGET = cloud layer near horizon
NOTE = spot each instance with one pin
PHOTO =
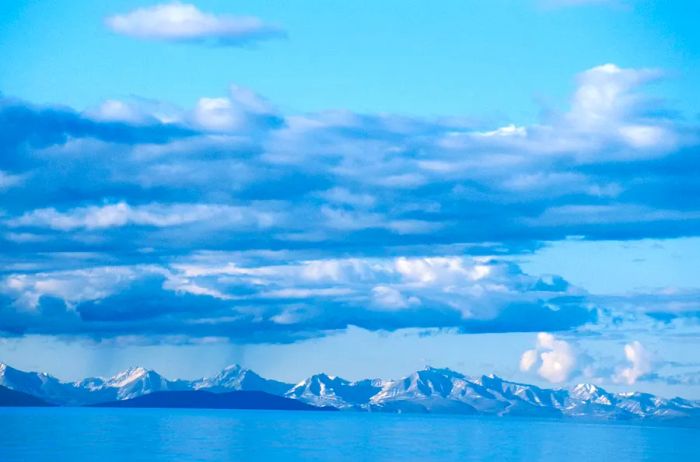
(106, 212)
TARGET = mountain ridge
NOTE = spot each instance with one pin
(429, 390)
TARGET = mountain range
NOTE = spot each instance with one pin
(430, 390)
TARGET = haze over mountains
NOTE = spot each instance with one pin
(429, 390)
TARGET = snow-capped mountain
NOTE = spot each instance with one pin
(128, 384)
(428, 390)
(236, 378)
(447, 391)
(131, 383)
(326, 390)
(40, 385)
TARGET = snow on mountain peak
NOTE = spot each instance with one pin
(443, 371)
(590, 392)
(233, 368)
(128, 376)
(587, 390)
(427, 390)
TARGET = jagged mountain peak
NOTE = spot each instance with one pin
(327, 390)
(319, 383)
(233, 372)
(591, 392)
(130, 375)
(233, 368)
(5, 368)
(236, 377)
(328, 378)
(445, 371)
(492, 378)
(588, 388)
(429, 389)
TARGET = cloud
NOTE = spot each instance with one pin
(181, 22)
(287, 301)
(8, 181)
(661, 308)
(30, 127)
(306, 223)
(605, 102)
(640, 364)
(154, 215)
(241, 110)
(554, 359)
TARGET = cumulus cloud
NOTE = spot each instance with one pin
(552, 358)
(181, 22)
(605, 102)
(640, 364)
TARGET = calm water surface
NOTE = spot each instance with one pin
(74, 434)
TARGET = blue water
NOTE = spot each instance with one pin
(74, 434)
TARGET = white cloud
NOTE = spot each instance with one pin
(216, 114)
(508, 130)
(444, 270)
(646, 136)
(329, 294)
(554, 359)
(136, 111)
(528, 360)
(72, 286)
(8, 180)
(391, 298)
(603, 94)
(238, 111)
(640, 364)
(605, 103)
(154, 215)
(184, 22)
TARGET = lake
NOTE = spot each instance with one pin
(77, 434)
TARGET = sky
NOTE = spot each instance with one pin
(360, 189)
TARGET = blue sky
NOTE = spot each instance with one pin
(360, 189)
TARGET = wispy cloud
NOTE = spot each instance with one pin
(180, 22)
